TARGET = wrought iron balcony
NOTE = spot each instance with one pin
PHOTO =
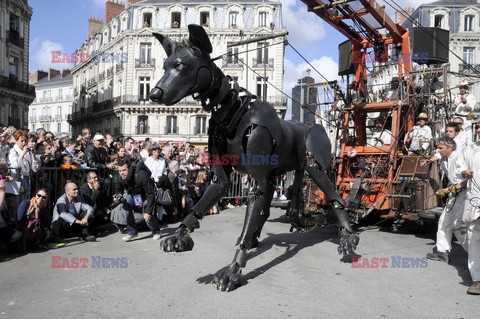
(15, 38)
(145, 63)
(261, 63)
(142, 129)
(119, 67)
(45, 118)
(14, 84)
(171, 130)
(468, 69)
(232, 62)
(200, 130)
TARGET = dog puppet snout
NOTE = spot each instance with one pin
(156, 94)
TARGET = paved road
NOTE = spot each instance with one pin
(291, 275)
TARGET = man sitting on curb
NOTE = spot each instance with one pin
(71, 216)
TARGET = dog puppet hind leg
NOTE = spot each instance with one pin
(348, 240)
(182, 241)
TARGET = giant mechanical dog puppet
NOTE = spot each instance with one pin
(240, 124)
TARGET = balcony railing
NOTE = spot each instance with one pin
(33, 118)
(200, 130)
(232, 62)
(262, 63)
(58, 117)
(14, 84)
(45, 118)
(464, 68)
(171, 130)
(145, 63)
(142, 130)
(119, 67)
(91, 82)
(15, 38)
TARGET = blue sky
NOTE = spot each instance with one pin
(61, 25)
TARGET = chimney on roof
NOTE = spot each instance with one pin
(135, 1)
(64, 73)
(52, 73)
(94, 25)
(112, 9)
(37, 76)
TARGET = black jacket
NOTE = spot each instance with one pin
(140, 183)
(96, 157)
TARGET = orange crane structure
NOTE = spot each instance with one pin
(376, 177)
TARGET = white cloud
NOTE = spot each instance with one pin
(297, 21)
(325, 65)
(43, 57)
(99, 3)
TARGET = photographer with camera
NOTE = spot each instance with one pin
(140, 190)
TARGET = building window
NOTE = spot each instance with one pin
(142, 125)
(468, 55)
(204, 18)
(60, 94)
(232, 55)
(262, 87)
(59, 111)
(438, 21)
(262, 52)
(200, 125)
(14, 22)
(145, 52)
(469, 25)
(262, 19)
(171, 127)
(144, 89)
(176, 19)
(147, 19)
(59, 128)
(232, 19)
(13, 66)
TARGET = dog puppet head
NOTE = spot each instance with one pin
(188, 68)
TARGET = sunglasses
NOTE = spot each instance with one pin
(41, 196)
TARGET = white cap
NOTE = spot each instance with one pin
(98, 137)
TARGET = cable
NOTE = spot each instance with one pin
(409, 18)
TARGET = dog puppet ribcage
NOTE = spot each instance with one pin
(242, 126)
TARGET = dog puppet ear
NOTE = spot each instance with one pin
(168, 45)
(199, 38)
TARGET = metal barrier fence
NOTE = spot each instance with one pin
(54, 179)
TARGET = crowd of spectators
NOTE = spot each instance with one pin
(53, 187)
